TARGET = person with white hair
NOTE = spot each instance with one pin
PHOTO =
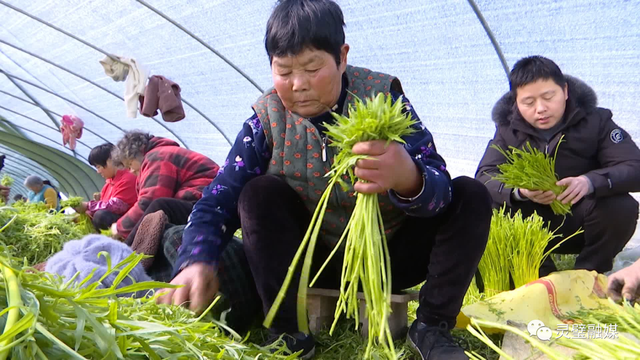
(39, 191)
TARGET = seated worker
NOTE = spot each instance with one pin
(118, 194)
(41, 192)
(276, 168)
(597, 161)
(170, 178)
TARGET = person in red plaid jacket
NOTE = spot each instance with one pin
(170, 178)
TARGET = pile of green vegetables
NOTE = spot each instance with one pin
(46, 317)
(34, 233)
(623, 344)
(515, 250)
(6, 180)
(530, 168)
(366, 263)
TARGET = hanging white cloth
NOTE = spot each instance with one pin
(121, 69)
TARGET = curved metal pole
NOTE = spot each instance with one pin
(36, 167)
(15, 174)
(43, 173)
(494, 42)
(24, 174)
(61, 97)
(26, 93)
(78, 186)
(63, 185)
(218, 54)
(98, 50)
(65, 158)
(21, 172)
(7, 126)
(15, 188)
(212, 123)
(54, 27)
(54, 170)
(19, 186)
(48, 138)
(37, 122)
(90, 82)
(45, 109)
(32, 131)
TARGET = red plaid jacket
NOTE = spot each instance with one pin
(168, 171)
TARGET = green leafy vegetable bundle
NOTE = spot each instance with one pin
(531, 169)
(6, 180)
(366, 262)
(516, 248)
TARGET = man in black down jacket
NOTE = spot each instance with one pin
(597, 161)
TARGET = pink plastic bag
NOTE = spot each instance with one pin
(71, 130)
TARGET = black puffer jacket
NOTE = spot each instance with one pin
(593, 145)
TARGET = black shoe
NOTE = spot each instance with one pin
(303, 345)
(434, 342)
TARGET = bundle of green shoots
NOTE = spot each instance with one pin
(527, 247)
(494, 264)
(47, 317)
(366, 260)
(82, 220)
(72, 202)
(6, 180)
(621, 344)
(530, 168)
(34, 233)
(515, 250)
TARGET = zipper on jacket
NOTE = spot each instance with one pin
(323, 140)
(324, 148)
(546, 148)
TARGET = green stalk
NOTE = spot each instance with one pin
(14, 302)
(494, 264)
(367, 262)
(316, 221)
(303, 285)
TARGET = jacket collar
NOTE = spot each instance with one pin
(119, 174)
(582, 99)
